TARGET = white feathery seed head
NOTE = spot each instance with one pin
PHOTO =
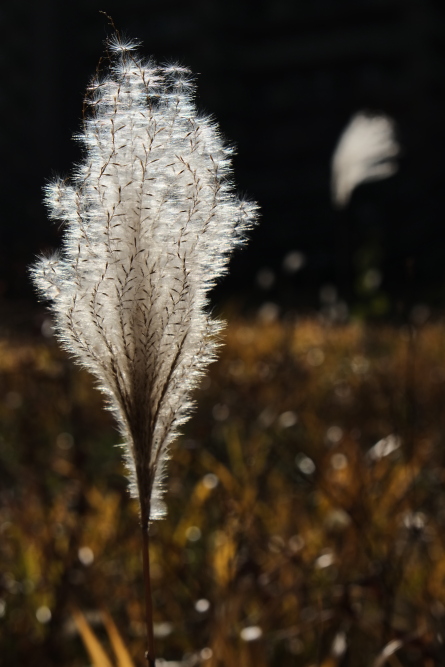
(365, 152)
(150, 221)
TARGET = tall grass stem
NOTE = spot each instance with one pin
(148, 600)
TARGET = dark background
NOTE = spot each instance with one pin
(282, 78)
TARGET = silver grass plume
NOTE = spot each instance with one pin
(150, 220)
(365, 152)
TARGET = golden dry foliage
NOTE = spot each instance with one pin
(306, 507)
(94, 647)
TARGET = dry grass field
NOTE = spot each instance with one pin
(306, 506)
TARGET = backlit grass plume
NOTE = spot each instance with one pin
(366, 151)
(150, 220)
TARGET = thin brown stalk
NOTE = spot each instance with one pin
(150, 654)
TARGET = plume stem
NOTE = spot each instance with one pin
(150, 654)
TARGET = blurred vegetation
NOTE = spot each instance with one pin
(306, 506)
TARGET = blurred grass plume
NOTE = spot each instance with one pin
(366, 151)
